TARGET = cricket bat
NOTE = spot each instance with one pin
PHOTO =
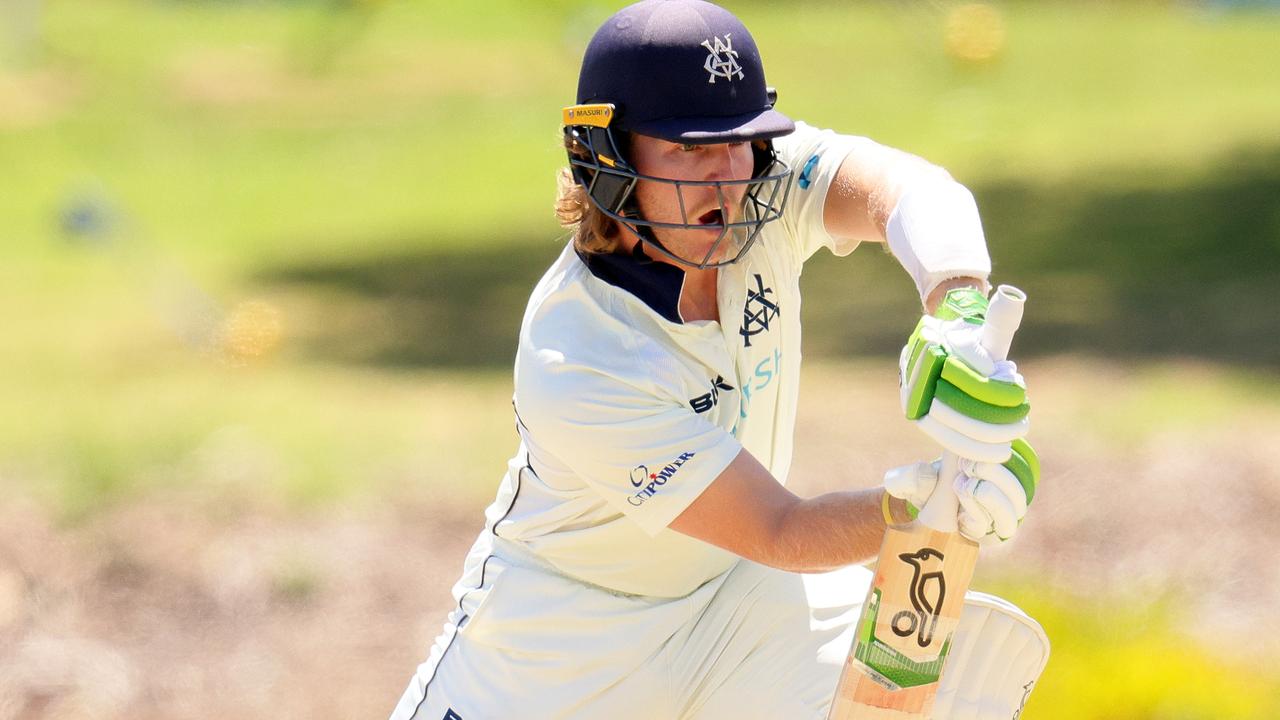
(903, 637)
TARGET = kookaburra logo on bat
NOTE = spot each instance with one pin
(928, 590)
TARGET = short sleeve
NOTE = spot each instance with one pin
(649, 458)
(815, 157)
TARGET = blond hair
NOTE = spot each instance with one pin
(592, 230)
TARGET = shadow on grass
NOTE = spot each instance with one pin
(1157, 268)
(456, 304)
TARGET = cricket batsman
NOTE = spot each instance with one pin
(643, 558)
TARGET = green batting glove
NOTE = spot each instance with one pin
(994, 498)
(950, 386)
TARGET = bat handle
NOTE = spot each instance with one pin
(1004, 314)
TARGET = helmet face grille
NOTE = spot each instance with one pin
(610, 182)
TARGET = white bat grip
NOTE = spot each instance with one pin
(1004, 314)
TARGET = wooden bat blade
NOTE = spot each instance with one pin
(904, 634)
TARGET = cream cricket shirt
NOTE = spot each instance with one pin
(626, 413)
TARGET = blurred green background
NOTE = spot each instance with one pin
(265, 265)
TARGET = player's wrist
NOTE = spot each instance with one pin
(903, 511)
(895, 510)
(966, 296)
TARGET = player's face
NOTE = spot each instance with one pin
(661, 202)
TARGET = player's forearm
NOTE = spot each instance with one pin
(831, 531)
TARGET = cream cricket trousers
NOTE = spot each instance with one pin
(753, 643)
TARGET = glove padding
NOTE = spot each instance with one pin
(993, 497)
(956, 393)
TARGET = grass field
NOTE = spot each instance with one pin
(266, 263)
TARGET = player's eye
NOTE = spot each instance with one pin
(688, 147)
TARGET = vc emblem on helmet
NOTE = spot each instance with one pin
(722, 59)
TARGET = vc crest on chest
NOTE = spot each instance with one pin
(760, 312)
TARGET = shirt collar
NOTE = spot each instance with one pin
(656, 284)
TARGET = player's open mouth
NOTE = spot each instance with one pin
(711, 217)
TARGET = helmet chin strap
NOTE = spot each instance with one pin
(645, 236)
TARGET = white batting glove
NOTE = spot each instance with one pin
(993, 497)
